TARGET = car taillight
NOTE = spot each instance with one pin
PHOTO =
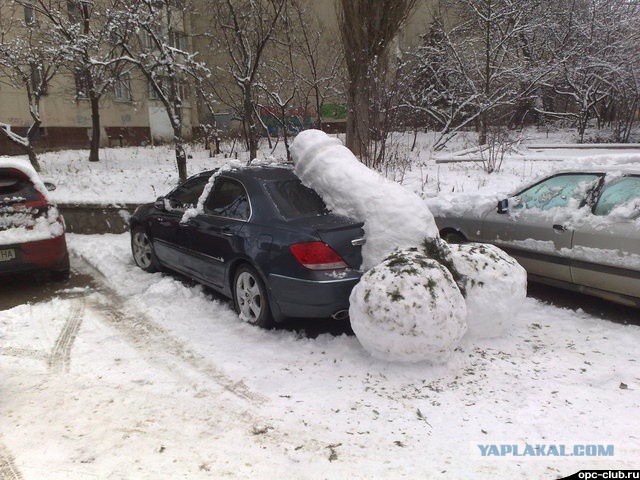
(317, 256)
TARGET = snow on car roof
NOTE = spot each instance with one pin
(26, 168)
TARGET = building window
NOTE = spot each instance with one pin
(82, 84)
(147, 40)
(122, 89)
(29, 16)
(153, 93)
(182, 89)
(178, 40)
(74, 11)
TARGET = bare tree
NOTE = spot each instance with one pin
(91, 34)
(244, 30)
(320, 59)
(368, 28)
(28, 62)
(475, 67)
(162, 54)
(595, 42)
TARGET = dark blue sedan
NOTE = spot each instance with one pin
(262, 239)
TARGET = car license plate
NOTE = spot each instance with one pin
(7, 254)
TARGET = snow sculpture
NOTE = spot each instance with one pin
(408, 309)
(495, 286)
(415, 301)
(393, 216)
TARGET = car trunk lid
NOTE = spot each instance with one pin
(344, 235)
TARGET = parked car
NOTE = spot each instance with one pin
(32, 232)
(260, 238)
(574, 229)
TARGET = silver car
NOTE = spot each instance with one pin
(574, 229)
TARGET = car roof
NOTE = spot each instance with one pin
(270, 172)
(264, 172)
(625, 168)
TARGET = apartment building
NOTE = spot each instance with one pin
(130, 113)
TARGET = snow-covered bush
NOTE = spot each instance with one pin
(408, 309)
(394, 217)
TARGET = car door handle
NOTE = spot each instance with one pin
(559, 228)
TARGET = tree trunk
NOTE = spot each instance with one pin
(252, 130)
(358, 119)
(285, 135)
(181, 155)
(482, 128)
(94, 153)
(33, 158)
(318, 108)
(583, 121)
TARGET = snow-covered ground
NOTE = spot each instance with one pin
(146, 376)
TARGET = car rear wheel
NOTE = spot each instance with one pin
(142, 250)
(250, 297)
(453, 237)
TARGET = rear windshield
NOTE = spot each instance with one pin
(294, 200)
(16, 188)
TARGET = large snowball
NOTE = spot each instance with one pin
(408, 309)
(394, 217)
(495, 286)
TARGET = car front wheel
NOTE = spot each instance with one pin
(250, 297)
(142, 251)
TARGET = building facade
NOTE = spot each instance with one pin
(130, 113)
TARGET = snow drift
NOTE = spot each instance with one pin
(393, 216)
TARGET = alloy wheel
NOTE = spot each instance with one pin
(249, 297)
(142, 250)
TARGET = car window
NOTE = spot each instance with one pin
(294, 200)
(228, 199)
(187, 194)
(16, 188)
(558, 191)
(617, 194)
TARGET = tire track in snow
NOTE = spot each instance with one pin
(155, 342)
(8, 469)
(60, 356)
(146, 336)
(162, 349)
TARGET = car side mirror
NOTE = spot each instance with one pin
(159, 204)
(503, 206)
(49, 186)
